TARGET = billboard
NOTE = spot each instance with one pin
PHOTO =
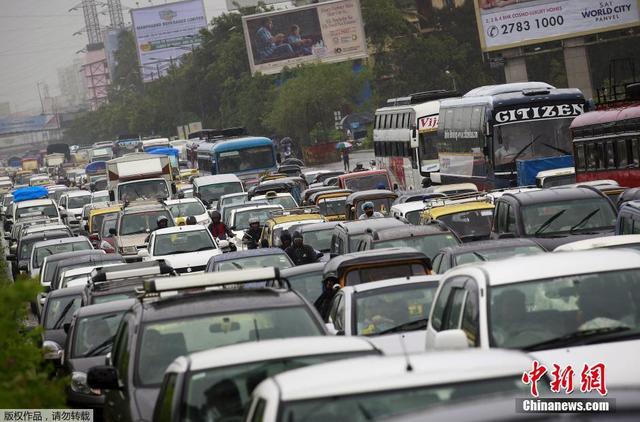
(164, 33)
(323, 32)
(512, 23)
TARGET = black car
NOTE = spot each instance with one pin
(58, 310)
(89, 339)
(306, 279)
(348, 234)
(487, 250)
(20, 261)
(317, 235)
(155, 331)
(554, 216)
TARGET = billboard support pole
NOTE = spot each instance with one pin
(515, 66)
(576, 62)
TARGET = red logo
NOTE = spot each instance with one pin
(591, 378)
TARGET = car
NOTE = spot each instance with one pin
(225, 210)
(470, 218)
(39, 228)
(318, 235)
(251, 258)
(382, 201)
(155, 331)
(231, 199)
(428, 239)
(188, 207)
(94, 221)
(610, 242)
(347, 234)
(364, 180)
(293, 185)
(77, 262)
(305, 279)
(307, 193)
(283, 198)
(51, 247)
(391, 313)
(81, 275)
(554, 216)
(331, 203)
(378, 387)
(20, 261)
(71, 204)
(556, 177)
(209, 189)
(486, 250)
(628, 220)
(106, 239)
(220, 381)
(319, 176)
(417, 195)
(7, 199)
(98, 196)
(186, 248)
(569, 308)
(239, 218)
(44, 207)
(631, 194)
(280, 221)
(89, 338)
(134, 225)
(408, 212)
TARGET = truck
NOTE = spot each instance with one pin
(140, 176)
(30, 163)
(54, 159)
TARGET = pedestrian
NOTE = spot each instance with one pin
(252, 235)
(300, 253)
(367, 208)
(345, 159)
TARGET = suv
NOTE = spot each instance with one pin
(71, 205)
(155, 331)
(628, 221)
(347, 235)
(134, 225)
(554, 216)
(25, 246)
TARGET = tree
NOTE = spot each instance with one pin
(126, 75)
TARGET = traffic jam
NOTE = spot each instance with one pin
(483, 265)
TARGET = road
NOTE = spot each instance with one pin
(355, 157)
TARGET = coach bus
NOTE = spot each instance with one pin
(483, 134)
(606, 145)
(402, 137)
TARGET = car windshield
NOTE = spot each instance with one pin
(367, 182)
(246, 159)
(320, 240)
(495, 254)
(568, 216)
(6, 200)
(42, 252)
(381, 205)
(242, 217)
(26, 245)
(143, 190)
(142, 222)
(60, 310)
(429, 245)
(182, 242)
(100, 196)
(386, 404)
(48, 210)
(97, 219)
(225, 392)
(112, 297)
(94, 334)
(394, 309)
(526, 315)
(413, 217)
(308, 285)
(186, 209)
(286, 201)
(213, 192)
(232, 200)
(79, 201)
(332, 206)
(473, 225)
(107, 224)
(276, 260)
(162, 342)
(367, 274)
(354, 240)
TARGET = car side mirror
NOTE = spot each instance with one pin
(103, 377)
(451, 340)
(113, 231)
(52, 350)
(144, 253)
(331, 328)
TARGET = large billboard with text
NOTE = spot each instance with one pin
(512, 23)
(164, 33)
(324, 32)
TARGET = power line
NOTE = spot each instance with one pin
(67, 15)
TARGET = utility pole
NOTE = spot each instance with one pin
(40, 96)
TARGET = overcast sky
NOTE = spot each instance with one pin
(36, 38)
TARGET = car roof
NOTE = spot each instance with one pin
(408, 206)
(554, 194)
(215, 179)
(105, 210)
(631, 204)
(260, 351)
(600, 242)
(67, 291)
(45, 234)
(399, 281)
(353, 376)
(255, 207)
(302, 269)
(178, 229)
(311, 227)
(74, 193)
(361, 226)
(230, 256)
(370, 195)
(180, 201)
(276, 195)
(295, 218)
(371, 256)
(62, 240)
(104, 308)
(550, 265)
(35, 228)
(132, 209)
(358, 174)
(485, 245)
(64, 255)
(34, 202)
(402, 232)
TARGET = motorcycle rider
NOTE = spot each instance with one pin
(252, 235)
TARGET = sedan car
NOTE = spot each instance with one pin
(43, 249)
(252, 258)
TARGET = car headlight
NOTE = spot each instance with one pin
(79, 384)
(130, 250)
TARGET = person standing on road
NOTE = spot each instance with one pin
(367, 208)
(345, 159)
(300, 253)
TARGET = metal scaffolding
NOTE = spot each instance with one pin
(91, 21)
(115, 14)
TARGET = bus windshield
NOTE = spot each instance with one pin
(255, 158)
(533, 139)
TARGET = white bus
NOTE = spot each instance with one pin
(402, 137)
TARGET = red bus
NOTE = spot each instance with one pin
(606, 145)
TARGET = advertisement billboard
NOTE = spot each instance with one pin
(324, 32)
(164, 33)
(513, 23)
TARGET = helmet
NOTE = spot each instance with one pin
(254, 220)
(297, 235)
(162, 218)
(215, 214)
(191, 220)
(367, 205)
(285, 235)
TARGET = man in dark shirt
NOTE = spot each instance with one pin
(300, 253)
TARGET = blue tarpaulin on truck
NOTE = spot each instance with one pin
(162, 151)
(529, 169)
(97, 167)
(27, 194)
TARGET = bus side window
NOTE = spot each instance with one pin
(635, 151)
(600, 154)
(592, 158)
(580, 159)
(610, 160)
(621, 154)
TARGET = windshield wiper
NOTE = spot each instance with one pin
(63, 315)
(102, 347)
(573, 338)
(565, 152)
(524, 149)
(416, 324)
(584, 220)
(204, 248)
(547, 223)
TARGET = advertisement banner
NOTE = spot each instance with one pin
(164, 33)
(511, 23)
(324, 32)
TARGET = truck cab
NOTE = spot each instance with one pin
(140, 176)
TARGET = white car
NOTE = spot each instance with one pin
(379, 387)
(188, 207)
(100, 196)
(391, 313)
(285, 199)
(239, 219)
(45, 248)
(244, 366)
(210, 188)
(408, 212)
(71, 205)
(631, 241)
(80, 276)
(232, 199)
(563, 308)
(43, 207)
(185, 248)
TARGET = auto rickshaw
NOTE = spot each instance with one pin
(186, 174)
(292, 185)
(382, 201)
(308, 192)
(272, 176)
(281, 221)
(470, 220)
(331, 203)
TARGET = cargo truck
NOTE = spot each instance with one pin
(139, 177)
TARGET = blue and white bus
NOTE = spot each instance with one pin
(246, 157)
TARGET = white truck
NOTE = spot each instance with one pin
(139, 177)
(54, 160)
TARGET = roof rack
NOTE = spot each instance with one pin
(456, 199)
(124, 271)
(216, 279)
(309, 209)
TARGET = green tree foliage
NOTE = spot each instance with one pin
(126, 76)
(24, 380)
